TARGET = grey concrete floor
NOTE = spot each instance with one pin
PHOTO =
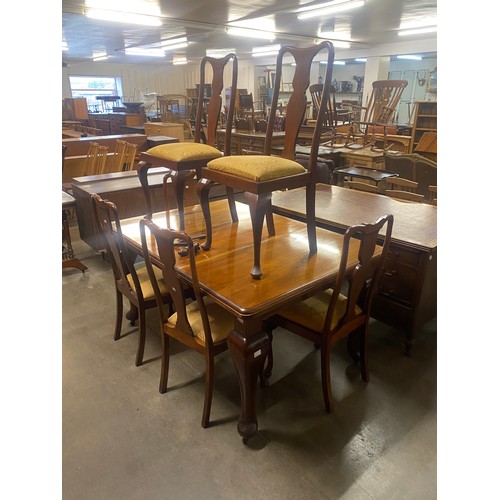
(122, 439)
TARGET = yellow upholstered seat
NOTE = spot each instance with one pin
(257, 167)
(184, 151)
(311, 312)
(147, 288)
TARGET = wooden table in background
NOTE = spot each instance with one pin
(291, 275)
(407, 296)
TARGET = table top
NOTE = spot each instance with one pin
(290, 273)
(67, 200)
(415, 224)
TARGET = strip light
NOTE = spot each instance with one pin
(329, 8)
(418, 31)
(133, 51)
(174, 43)
(409, 56)
(123, 17)
(268, 50)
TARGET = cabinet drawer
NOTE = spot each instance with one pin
(400, 275)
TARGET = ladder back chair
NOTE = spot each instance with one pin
(183, 157)
(378, 114)
(259, 175)
(130, 282)
(329, 316)
(198, 322)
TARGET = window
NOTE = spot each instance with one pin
(91, 87)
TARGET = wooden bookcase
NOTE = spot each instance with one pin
(425, 120)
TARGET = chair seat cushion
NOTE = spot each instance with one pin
(311, 312)
(257, 167)
(184, 151)
(221, 321)
(147, 288)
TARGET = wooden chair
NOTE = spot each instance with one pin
(369, 123)
(329, 316)
(361, 186)
(184, 157)
(403, 189)
(330, 135)
(200, 324)
(259, 175)
(124, 157)
(130, 282)
(100, 160)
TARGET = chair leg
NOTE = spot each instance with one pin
(203, 190)
(179, 186)
(325, 376)
(311, 217)
(165, 360)
(258, 206)
(142, 337)
(209, 390)
(232, 203)
(119, 315)
(365, 375)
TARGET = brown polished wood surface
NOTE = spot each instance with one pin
(223, 270)
(414, 224)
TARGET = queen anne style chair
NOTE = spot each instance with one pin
(369, 123)
(184, 157)
(198, 322)
(130, 282)
(330, 315)
(259, 175)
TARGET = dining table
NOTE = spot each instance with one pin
(292, 275)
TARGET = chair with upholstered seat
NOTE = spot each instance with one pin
(183, 157)
(369, 124)
(259, 175)
(343, 310)
(130, 282)
(201, 323)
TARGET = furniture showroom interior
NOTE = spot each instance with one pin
(249, 252)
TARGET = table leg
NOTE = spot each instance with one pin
(248, 354)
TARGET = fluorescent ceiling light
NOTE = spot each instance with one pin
(252, 33)
(360, 59)
(338, 63)
(418, 23)
(133, 51)
(99, 56)
(123, 17)
(267, 50)
(418, 31)
(65, 46)
(409, 56)
(179, 60)
(327, 8)
(219, 52)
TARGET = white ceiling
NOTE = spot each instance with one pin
(373, 28)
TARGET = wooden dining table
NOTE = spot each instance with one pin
(292, 274)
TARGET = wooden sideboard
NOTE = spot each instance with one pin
(407, 295)
(112, 123)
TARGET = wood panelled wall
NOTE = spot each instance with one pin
(165, 79)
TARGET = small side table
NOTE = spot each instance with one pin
(68, 256)
(371, 174)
